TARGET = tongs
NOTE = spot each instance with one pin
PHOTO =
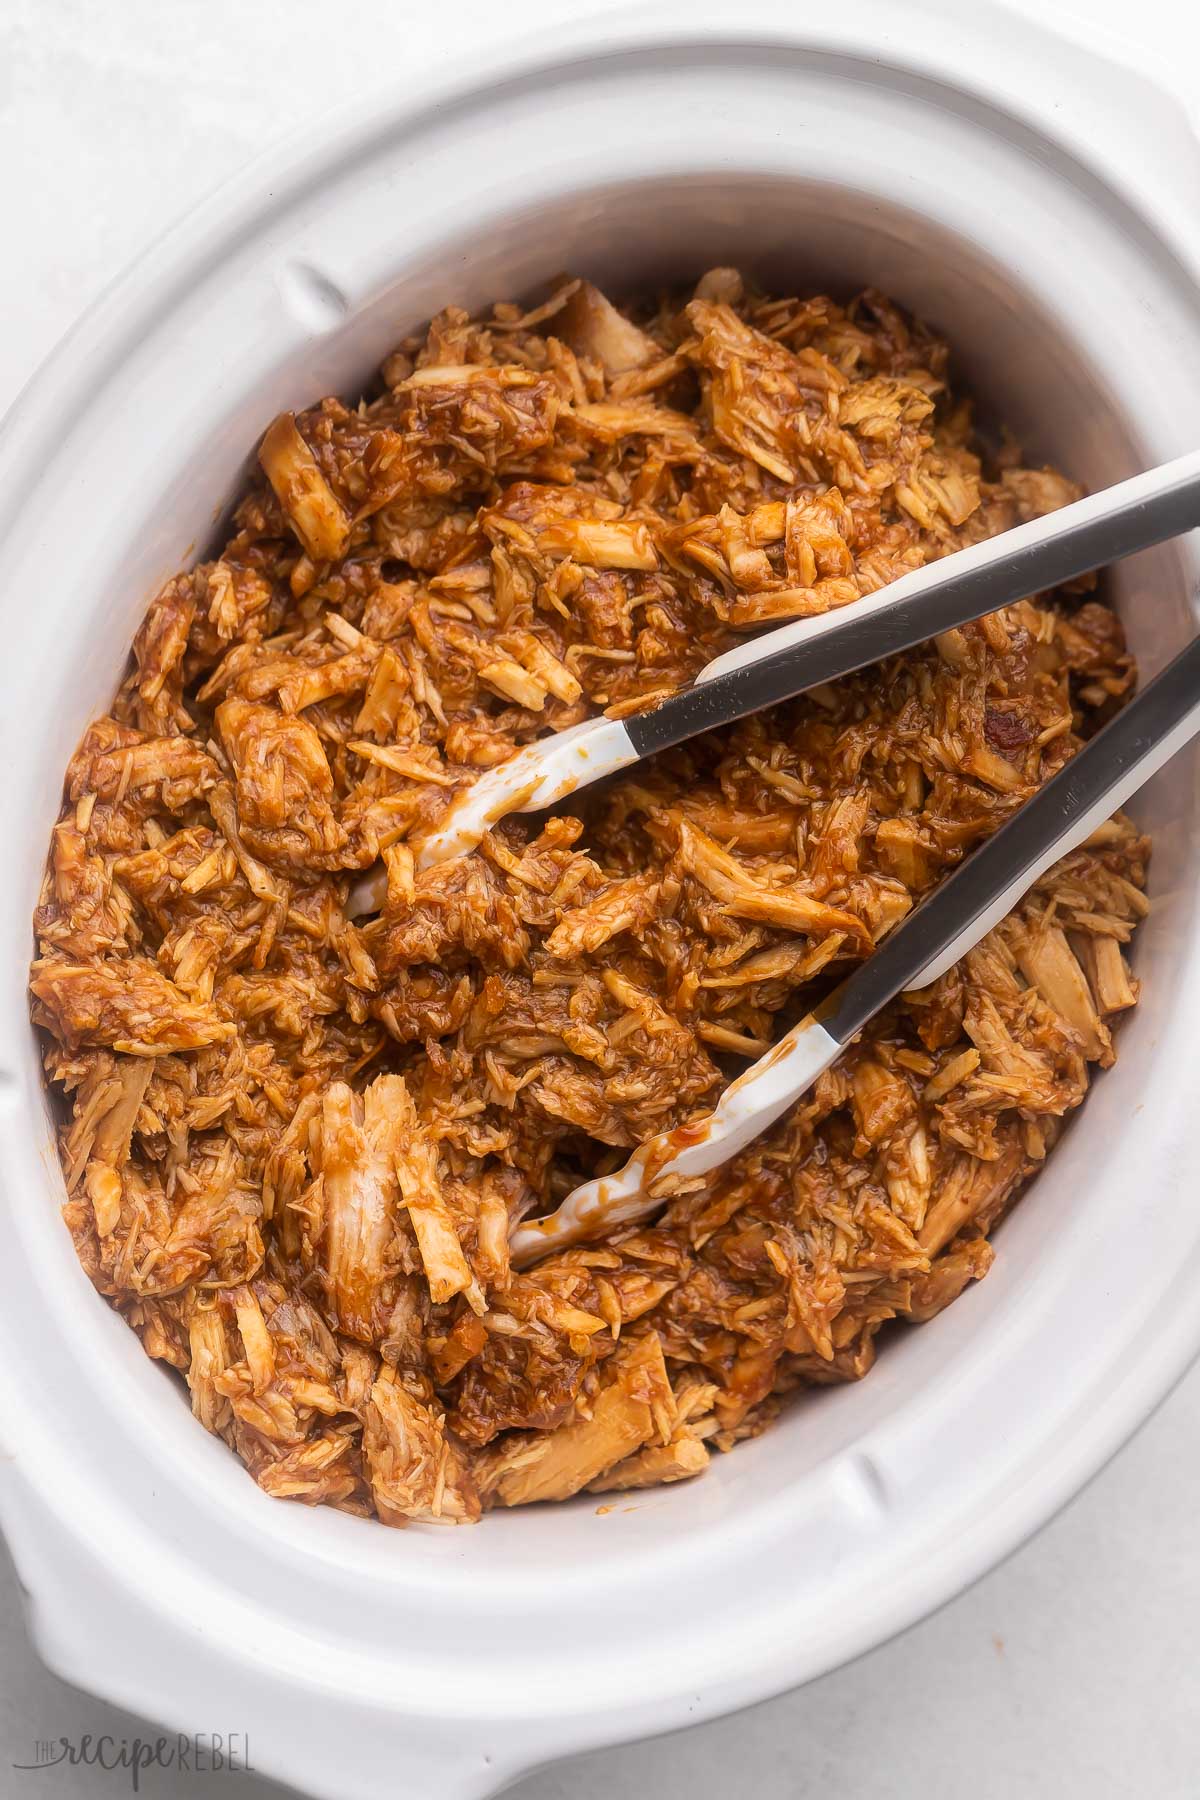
(1060, 816)
(784, 662)
(1097, 782)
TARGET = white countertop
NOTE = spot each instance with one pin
(1067, 1673)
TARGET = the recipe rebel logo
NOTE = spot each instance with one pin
(207, 1753)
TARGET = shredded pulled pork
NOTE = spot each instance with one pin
(296, 1144)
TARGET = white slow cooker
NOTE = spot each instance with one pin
(1037, 204)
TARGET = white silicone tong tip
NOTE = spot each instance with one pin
(746, 1108)
(538, 776)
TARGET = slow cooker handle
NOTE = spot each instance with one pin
(165, 1663)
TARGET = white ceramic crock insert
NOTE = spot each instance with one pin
(368, 1662)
